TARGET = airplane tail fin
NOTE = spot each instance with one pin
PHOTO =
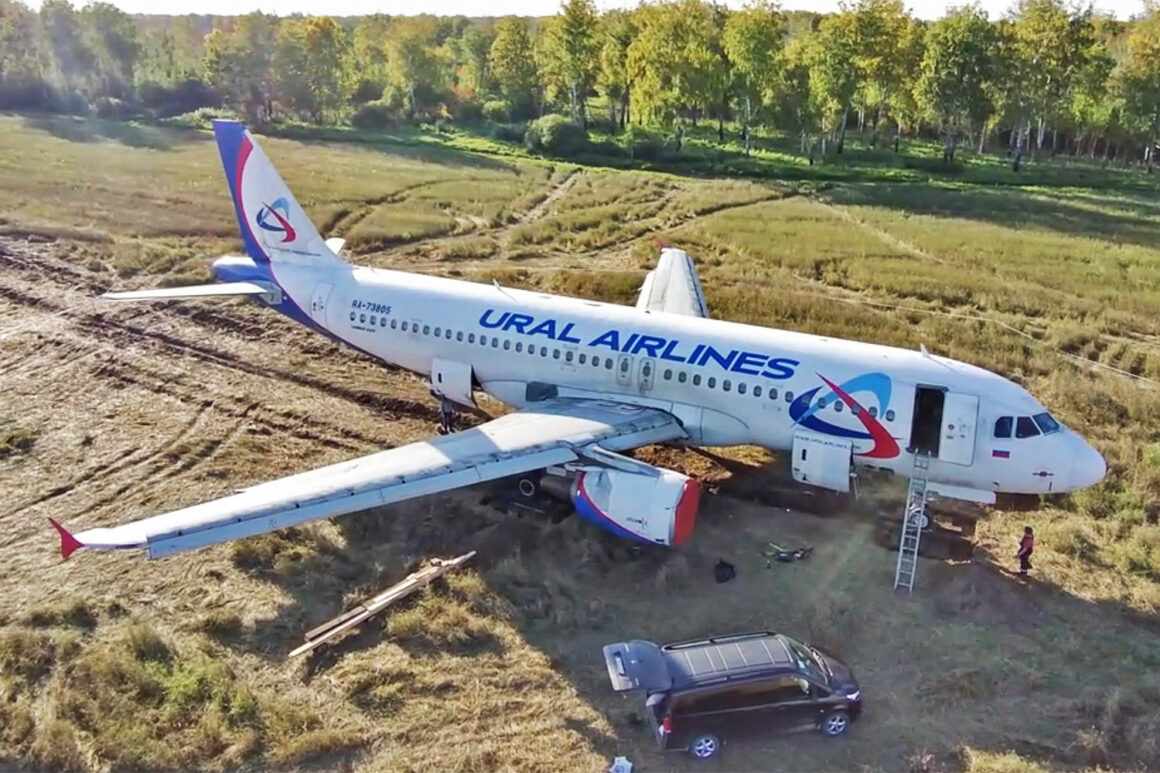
(274, 227)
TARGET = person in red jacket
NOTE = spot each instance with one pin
(1026, 548)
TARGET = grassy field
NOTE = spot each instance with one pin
(1051, 277)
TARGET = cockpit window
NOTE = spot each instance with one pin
(1025, 427)
(1003, 426)
(1046, 423)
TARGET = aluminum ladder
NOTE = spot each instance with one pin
(913, 520)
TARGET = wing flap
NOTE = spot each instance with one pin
(551, 433)
(673, 286)
(225, 289)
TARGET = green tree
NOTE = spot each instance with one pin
(832, 54)
(513, 65)
(570, 53)
(473, 53)
(675, 61)
(1139, 82)
(367, 58)
(617, 30)
(793, 101)
(113, 40)
(23, 62)
(882, 28)
(413, 58)
(239, 65)
(753, 42)
(72, 58)
(956, 68)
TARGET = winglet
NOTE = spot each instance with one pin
(68, 543)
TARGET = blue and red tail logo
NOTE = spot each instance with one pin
(275, 218)
(804, 409)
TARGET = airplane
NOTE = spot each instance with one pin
(588, 381)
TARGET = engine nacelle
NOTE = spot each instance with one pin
(659, 509)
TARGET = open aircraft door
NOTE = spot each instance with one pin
(960, 416)
(318, 303)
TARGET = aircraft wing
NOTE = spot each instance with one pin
(549, 433)
(673, 286)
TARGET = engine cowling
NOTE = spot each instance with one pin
(658, 509)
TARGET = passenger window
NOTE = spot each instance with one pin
(704, 701)
(874, 411)
(757, 391)
(838, 406)
(567, 356)
(426, 330)
(1003, 426)
(777, 690)
(494, 343)
(438, 330)
(772, 394)
(789, 397)
(404, 327)
(362, 318)
(507, 344)
(395, 325)
(646, 371)
(459, 336)
(519, 346)
(448, 334)
(583, 358)
(696, 379)
(608, 363)
(543, 351)
(890, 415)
(741, 388)
(374, 320)
(624, 366)
(711, 382)
(727, 385)
(383, 322)
(352, 316)
(668, 374)
(682, 377)
(1025, 427)
(555, 354)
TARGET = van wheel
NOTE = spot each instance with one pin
(835, 723)
(705, 746)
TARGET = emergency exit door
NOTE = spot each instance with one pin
(957, 439)
(318, 303)
(646, 373)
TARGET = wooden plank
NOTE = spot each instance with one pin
(347, 620)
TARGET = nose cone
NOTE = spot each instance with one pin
(1088, 467)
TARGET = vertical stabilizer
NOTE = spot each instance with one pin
(274, 227)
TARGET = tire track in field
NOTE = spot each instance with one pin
(103, 472)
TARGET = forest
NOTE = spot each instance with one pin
(1047, 78)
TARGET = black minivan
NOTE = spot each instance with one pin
(699, 691)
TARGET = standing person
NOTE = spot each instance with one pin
(1026, 548)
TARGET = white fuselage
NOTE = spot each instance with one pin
(728, 383)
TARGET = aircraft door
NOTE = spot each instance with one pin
(646, 374)
(318, 303)
(960, 416)
(624, 370)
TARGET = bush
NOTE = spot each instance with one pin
(642, 145)
(113, 108)
(184, 97)
(555, 135)
(468, 111)
(374, 115)
(201, 118)
(509, 132)
(1071, 539)
(497, 110)
(366, 90)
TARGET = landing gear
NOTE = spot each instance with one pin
(447, 414)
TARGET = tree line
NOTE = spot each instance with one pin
(1047, 77)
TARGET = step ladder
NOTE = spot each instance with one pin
(914, 518)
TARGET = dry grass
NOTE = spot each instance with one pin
(499, 667)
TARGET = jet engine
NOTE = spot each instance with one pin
(658, 507)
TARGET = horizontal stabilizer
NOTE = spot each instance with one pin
(223, 290)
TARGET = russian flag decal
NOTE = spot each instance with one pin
(1000, 454)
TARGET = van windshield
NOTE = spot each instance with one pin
(807, 660)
